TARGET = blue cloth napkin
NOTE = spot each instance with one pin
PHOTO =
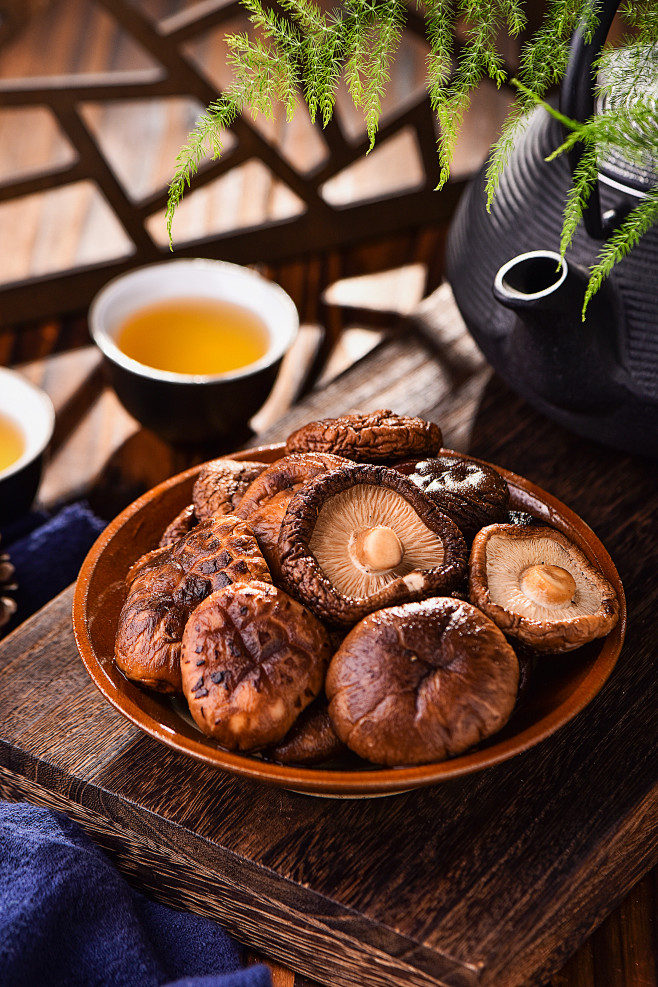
(47, 552)
(69, 919)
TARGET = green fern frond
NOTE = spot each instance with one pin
(204, 140)
(385, 38)
(543, 59)
(301, 50)
(439, 20)
(501, 153)
(584, 178)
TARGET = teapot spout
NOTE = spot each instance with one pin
(567, 362)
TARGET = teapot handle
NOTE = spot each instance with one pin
(577, 100)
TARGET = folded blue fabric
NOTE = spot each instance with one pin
(47, 552)
(69, 919)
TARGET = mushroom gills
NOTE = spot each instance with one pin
(367, 536)
(537, 578)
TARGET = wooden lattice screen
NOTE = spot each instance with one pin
(318, 225)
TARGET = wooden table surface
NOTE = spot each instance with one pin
(605, 933)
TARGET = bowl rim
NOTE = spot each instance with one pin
(280, 343)
(42, 424)
(375, 781)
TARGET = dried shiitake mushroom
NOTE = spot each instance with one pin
(252, 660)
(311, 739)
(181, 524)
(266, 500)
(364, 537)
(164, 587)
(378, 437)
(8, 605)
(420, 682)
(539, 587)
(221, 484)
(471, 493)
(217, 490)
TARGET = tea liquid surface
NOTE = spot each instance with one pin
(194, 336)
(12, 441)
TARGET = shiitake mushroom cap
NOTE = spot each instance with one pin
(338, 527)
(538, 586)
(252, 660)
(473, 494)
(265, 500)
(421, 682)
(380, 436)
(165, 585)
(311, 739)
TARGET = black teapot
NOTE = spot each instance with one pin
(598, 378)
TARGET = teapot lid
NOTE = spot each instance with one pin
(618, 168)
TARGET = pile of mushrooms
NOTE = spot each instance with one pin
(365, 592)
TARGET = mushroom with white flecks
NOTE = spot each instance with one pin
(473, 494)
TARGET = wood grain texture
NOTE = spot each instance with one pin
(493, 879)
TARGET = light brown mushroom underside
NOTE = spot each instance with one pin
(507, 561)
(355, 517)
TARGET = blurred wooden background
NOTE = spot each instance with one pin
(96, 99)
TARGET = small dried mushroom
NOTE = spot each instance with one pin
(539, 587)
(221, 484)
(164, 587)
(217, 490)
(421, 682)
(471, 493)
(179, 527)
(266, 500)
(377, 437)
(8, 605)
(252, 660)
(364, 537)
(311, 739)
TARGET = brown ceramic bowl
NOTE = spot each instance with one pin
(561, 688)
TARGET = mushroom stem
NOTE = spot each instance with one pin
(548, 585)
(376, 549)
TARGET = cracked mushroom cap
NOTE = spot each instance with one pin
(377, 437)
(421, 682)
(364, 537)
(217, 490)
(221, 484)
(539, 587)
(252, 660)
(165, 585)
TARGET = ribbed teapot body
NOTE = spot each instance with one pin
(526, 215)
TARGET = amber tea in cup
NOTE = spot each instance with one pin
(194, 336)
(12, 442)
(192, 346)
(27, 420)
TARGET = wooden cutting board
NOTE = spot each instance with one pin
(491, 879)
